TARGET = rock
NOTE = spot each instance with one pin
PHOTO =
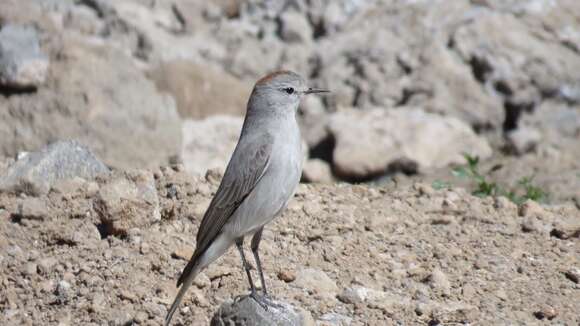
(34, 173)
(287, 276)
(127, 202)
(573, 274)
(29, 269)
(354, 295)
(333, 319)
(246, 311)
(313, 120)
(85, 233)
(368, 143)
(88, 98)
(201, 280)
(295, 27)
(531, 208)
(373, 298)
(532, 224)
(317, 170)
(439, 282)
(547, 312)
(209, 144)
(451, 311)
(63, 290)
(442, 84)
(184, 253)
(508, 53)
(523, 140)
(22, 63)
(46, 265)
(33, 208)
(316, 281)
(69, 187)
(202, 91)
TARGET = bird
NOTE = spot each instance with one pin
(259, 180)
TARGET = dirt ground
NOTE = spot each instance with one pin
(346, 254)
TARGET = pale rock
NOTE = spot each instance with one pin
(295, 27)
(334, 319)
(385, 301)
(33, 208)
(523, 140)
(439, 282)
(128, 201)
(22, 62)
(316, 281)
(209, 143)
(317, 171)
(369, 142)
(34, 173)
(201, 90)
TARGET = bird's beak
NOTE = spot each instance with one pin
(316, 90)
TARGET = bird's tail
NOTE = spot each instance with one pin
(186, 278)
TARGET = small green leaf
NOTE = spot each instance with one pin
(440, 184)
(459, 172)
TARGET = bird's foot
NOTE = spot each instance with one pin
(265, 301)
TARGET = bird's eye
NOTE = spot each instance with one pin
(288, 90)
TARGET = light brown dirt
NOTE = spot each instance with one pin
(425, 257)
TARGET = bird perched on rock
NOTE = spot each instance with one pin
(260, 178)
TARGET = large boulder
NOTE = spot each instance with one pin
(22, 63)
(98, 96)
(202, 90)
(368, 143)
(518, 60)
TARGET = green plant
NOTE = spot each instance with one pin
(484, 186)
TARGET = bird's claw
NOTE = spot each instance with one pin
(264, 301)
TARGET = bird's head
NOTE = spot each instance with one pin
(280, 90)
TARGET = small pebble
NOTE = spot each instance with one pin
(287, 276)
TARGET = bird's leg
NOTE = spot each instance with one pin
(254, 246)
(239, 245)
(253, 294)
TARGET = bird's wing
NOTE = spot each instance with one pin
(247, 166)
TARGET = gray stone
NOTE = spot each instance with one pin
(524, 139)
(245, 311)
(63, 291)
(22, 63)
(295, 27)
(316, 170)
(34, 173)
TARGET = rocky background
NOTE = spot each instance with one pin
(93, 231)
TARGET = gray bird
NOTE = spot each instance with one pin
(260, 178)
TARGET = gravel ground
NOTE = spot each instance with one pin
(345, 254)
